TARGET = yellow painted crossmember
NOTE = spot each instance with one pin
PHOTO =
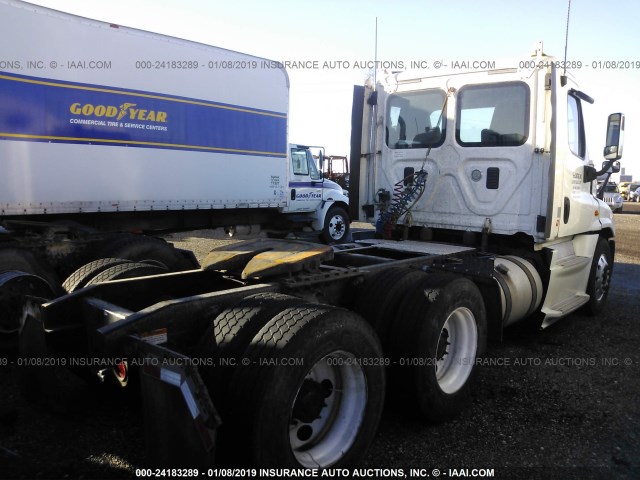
(267, 257)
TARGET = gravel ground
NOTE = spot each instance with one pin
(563, 403)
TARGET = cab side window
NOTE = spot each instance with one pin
(575, 127)
(313, 169)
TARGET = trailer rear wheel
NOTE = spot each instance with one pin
(84, 274)
(311, 391)
(599, 278)
(230, 334)
(336, 226)
(440, 331)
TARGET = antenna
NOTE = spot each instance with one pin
(375, 56)
(373, 100)
(566, 39)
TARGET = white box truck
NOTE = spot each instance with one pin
(285, 347)
(108, 129)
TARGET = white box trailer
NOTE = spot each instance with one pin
(103, 118)
(105, 128)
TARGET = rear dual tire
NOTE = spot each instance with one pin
(440, 331)
(312, 392)
(230, 334)
(303, 389)
(433, 328)
(380, 297)
(141, 248)
(108, 269)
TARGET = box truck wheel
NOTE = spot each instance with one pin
(336, 226)
(309, 391)
(229, 335)
(378, 299)
(599, 278)
(439, 332)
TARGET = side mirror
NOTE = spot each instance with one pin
(321, 160)
(615, 137)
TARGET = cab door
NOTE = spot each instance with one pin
(576, 208)
(306, 181)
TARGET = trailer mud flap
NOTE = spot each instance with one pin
(180, 420)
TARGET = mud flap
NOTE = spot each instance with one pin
(180, 421)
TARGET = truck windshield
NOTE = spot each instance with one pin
(304, 163)
(412, 119)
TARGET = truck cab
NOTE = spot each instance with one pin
(493, 153)
(310, 192)
(494, 159)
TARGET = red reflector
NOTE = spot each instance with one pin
(121, 370)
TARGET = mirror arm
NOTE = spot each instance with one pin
(605, 167)
(600, 192)
(590, 174)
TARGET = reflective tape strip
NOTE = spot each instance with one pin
(170, 377)
(188, 397)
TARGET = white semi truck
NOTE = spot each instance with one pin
(107, 129)
(495, 160)
(487, 215)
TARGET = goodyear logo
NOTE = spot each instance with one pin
(126, 111)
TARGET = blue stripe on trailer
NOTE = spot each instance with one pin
(37, 109)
